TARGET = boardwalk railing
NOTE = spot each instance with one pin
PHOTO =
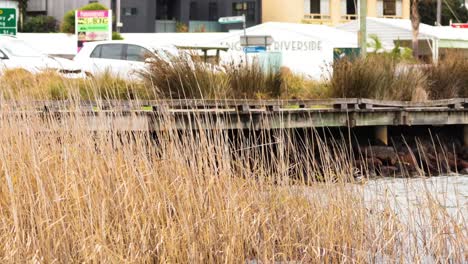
(233, 104)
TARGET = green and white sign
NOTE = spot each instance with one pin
(8, 21)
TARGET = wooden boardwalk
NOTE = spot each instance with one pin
(247, 114)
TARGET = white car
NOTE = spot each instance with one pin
(16, 53)
(120, 58)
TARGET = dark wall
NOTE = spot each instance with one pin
(144, 21)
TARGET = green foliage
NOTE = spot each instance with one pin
(68, 24)
(451, 10)
(40, 24)
(398, 53)
(181, 27)
(375, 44)
(116, 36)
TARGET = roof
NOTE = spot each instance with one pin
(293, 31)
(389, 30)
(132, 42)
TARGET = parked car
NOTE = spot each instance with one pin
(16, 53)
(120, 58)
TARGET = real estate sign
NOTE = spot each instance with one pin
(93, 25)
(8, 21)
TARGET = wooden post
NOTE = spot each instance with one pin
(465, 135)
(363, 27)
(381, 133)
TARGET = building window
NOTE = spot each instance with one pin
(389, 7)
(213, 11)
(315, 6)
(244, 8)
(193, 11)
(129, 11)
(165, 9)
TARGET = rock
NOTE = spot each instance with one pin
(388, 170)
(383, 153)
(462, 164)
(370, 162)
(464, 153)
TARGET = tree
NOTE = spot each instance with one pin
(453, 10)
(68, 24)
(40, 24)
(415, 20)
(22, 6)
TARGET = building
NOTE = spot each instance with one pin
(58, 8)
(434, 41)
(185, 15)
(331, 12)
(149, 16)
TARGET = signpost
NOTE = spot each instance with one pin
(235, 20)
(93, 25)
(8, 21)
(232, 20)
(248, 41)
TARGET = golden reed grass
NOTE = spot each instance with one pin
(69, 194)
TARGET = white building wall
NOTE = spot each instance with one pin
(306, 6)
(8, 4)
(379, 8)
(343, 7)
(399, 8)
(37, 6)
(325, 7)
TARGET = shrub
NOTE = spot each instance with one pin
(116, 36)
(181, 77)
(449, 77)
(181, 27)
(299, 86)
(377, 77)
(68, 24)
(40, 24)
(252, 81)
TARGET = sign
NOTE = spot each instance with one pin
(8, 21)
(248, 41)
(232, 20)
(259, 49)
(460, 25)
(93, 25)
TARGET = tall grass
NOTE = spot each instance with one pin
(20, 85)
(68, 194)
(377, 77)
(179, 77)
(449, 77)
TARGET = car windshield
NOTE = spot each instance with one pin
(19, 48)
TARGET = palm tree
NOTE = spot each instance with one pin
(415, 19)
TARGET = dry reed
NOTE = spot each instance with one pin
(68, 194)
